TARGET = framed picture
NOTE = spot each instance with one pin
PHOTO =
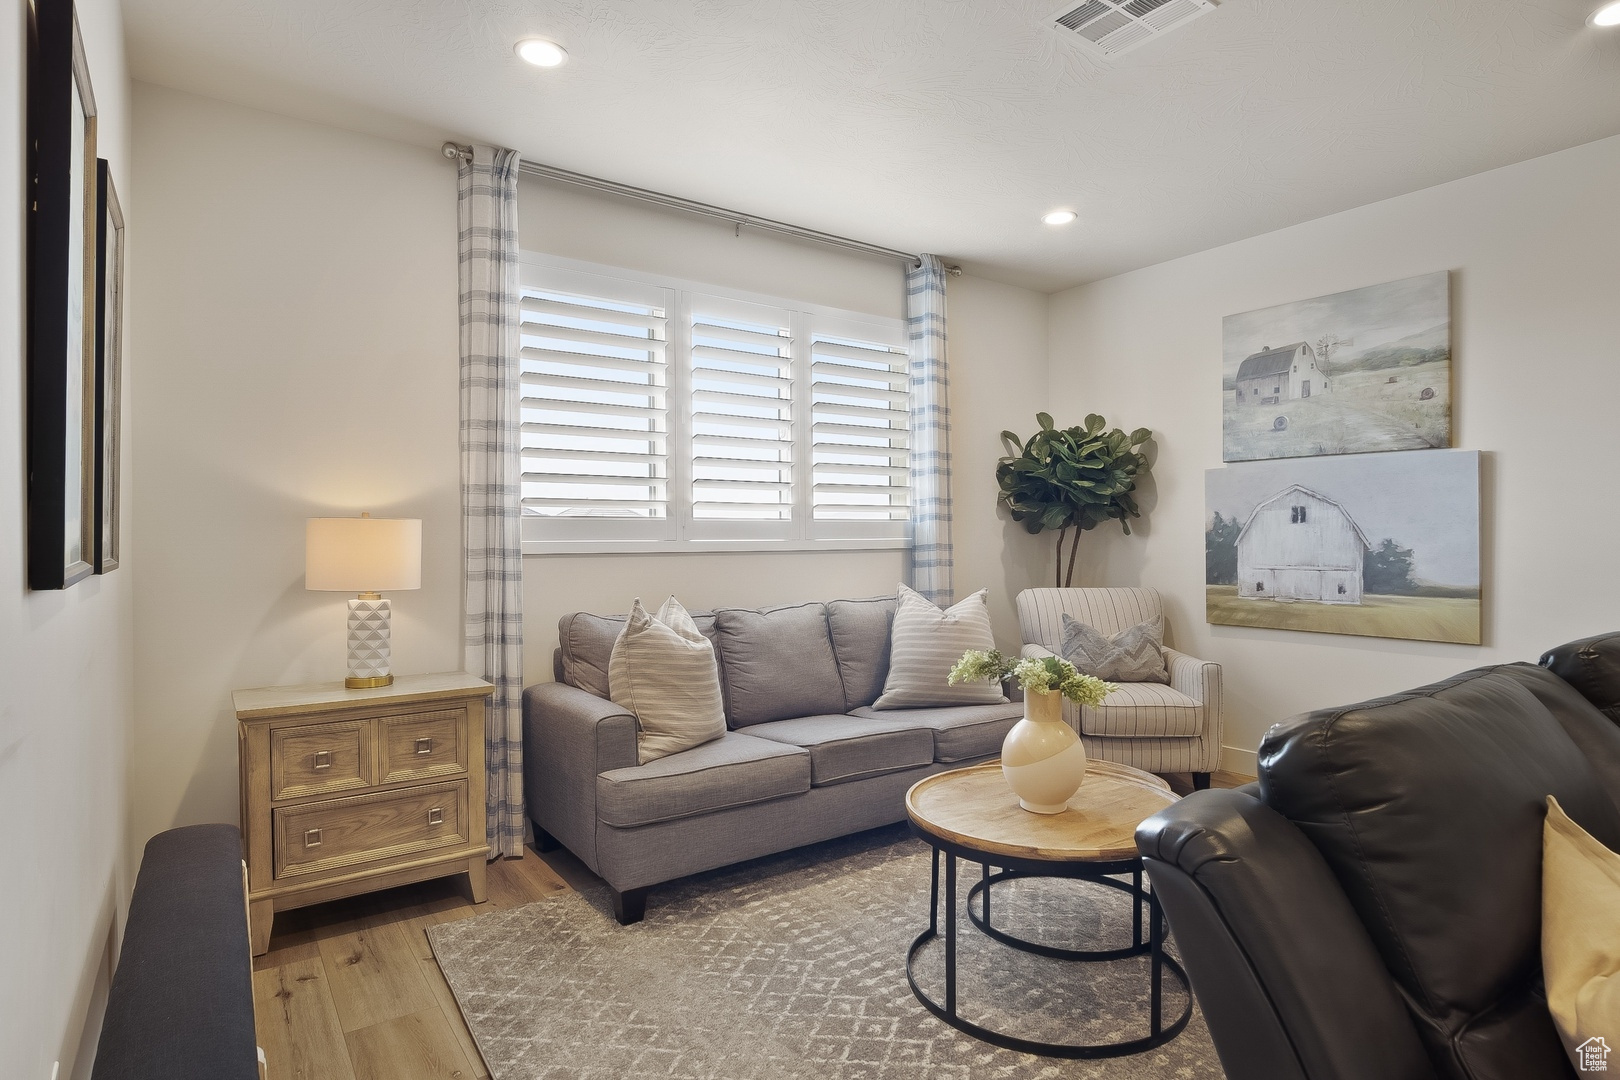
(62, 307)
(109, 364)
(1378, 545)
(1355, 372)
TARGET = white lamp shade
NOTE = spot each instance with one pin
(363, 554)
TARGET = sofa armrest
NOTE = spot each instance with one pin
(1036, 651)
(569, 736)
(1288, 978)
(181, 1002)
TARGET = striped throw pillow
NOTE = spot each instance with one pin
(662, 669)
(926, 642)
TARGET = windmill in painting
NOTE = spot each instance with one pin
(1298, 545)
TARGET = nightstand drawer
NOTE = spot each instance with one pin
(320, 759)
(317, 837)
(419, 746)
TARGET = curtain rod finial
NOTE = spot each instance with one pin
(456, 153)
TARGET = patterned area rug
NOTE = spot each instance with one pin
(794, 966)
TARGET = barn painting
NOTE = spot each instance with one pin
(1354, 372)
(1377, 545)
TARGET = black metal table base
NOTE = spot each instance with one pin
(1011, 869)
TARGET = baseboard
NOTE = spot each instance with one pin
(1242, 762)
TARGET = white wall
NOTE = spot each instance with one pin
(297, 338)
(1535, 277)
(299, 352)
(65, 659)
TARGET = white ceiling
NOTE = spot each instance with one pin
(938, 125)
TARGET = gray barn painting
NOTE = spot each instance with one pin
(1351, 373)
(1379, 545)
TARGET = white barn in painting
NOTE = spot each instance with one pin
(1298, 545)
(1273, 376)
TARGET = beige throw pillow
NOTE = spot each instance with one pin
(662, 669)
(925, 642)
(1580, 936)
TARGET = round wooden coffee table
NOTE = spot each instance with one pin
(971, 814)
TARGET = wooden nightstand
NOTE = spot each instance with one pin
(349, 791)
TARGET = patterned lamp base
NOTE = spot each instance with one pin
(369, 619)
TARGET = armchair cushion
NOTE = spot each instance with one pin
(1148, 710)
(1144, 710)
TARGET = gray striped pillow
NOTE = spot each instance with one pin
(925, 643)
(662, 669)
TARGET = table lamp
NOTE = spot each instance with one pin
(364, 555)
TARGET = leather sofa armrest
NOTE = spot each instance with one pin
(1289, 981)
(569, 736)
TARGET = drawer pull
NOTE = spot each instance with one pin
(436, 816)
(424, 746)
(323, 759)
(312, 838)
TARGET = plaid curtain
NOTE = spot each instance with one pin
(486, 215)
(930, 432)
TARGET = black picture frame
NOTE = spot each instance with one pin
(109, 367)
(61, 300)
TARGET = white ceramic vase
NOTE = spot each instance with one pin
(1042, 758)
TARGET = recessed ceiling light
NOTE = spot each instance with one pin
(1063, 217)
(541, 53)
(1607, 15)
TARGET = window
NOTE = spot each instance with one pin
(1297, 515)
(658, 413)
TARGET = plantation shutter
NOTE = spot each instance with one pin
(860, 409)
(595, 406)
(742, 418)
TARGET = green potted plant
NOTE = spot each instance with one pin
(1072, 478)
(1042, 759)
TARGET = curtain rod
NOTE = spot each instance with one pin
(675, 202)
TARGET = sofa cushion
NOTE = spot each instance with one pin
(733, 770)
(1147, 710)
(852, 747)
(860, 637)
(586, 643)
(961, 732)
(1429, 806)
(777, 663)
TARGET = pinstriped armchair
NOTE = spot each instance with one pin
(1152, 726)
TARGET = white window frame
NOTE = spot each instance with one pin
(679, 532)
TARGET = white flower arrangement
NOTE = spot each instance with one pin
(1045, 675)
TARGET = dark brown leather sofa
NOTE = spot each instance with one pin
(1371, 909)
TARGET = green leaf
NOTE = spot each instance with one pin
(1045, 420)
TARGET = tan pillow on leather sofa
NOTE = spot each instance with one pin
(1580, 937)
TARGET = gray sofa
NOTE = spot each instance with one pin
(805, 757)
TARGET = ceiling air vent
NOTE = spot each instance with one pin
(1113, 27)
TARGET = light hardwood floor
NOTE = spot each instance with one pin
(350, 990)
